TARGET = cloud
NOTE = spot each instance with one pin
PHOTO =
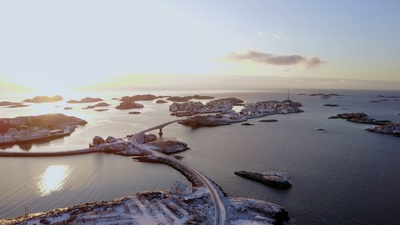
(279, 60)
(260, 34)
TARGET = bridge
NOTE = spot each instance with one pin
(220, 213)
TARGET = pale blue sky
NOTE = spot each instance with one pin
(44, 44)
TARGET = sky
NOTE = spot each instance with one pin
(50, 46)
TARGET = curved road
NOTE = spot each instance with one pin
(220, 214)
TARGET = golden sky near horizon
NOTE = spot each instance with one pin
(52, 46)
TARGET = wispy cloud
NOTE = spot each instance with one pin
(272, 59)
(260, 34)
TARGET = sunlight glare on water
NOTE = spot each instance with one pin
(53, 179)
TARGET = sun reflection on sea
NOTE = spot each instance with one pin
(53, 179)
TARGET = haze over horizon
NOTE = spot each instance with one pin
(52, 46)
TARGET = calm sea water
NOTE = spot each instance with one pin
(342, 176)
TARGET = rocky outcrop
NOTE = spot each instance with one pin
(360, 118)
(101, 104)
(129, 105)
(204, 121)
(331, 105)
(41, 99)
(147, 97)
(187, 98)
(85, 100)
(268, 120)
(160, 101)
(169, 147)
(393, 129)
(134, 112)
(13, 104)
(277, 180)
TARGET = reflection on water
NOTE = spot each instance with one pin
(53, 179)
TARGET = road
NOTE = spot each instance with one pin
(220, 213)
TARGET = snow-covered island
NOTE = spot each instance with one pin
(27, 129)
(220, 112)
(181, 204)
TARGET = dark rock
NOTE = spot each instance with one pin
(204, 121)
(67, 108)
(169, 147)
(268, 120)
(134, 112)
(272, 179)
(100, 110)
(247, 124)
(160, 101)
(85, 100)
(331, 105)
(41, 99)
(360, 118)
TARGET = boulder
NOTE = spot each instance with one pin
(111, 139)
(98, 141)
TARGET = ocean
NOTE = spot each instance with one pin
(343, 175)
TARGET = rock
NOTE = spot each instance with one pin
(331, 105)
(129, 105)
(98, 141)
(277, 180)
(187, 98)
(41, 99)
(247, 124)
(85, 100)
(268, 120)
(100, 110)
(147, 97)
(169, 147)
(111, 139)
(160, 101)
(393, 129)
(360, 118)
(67, 108)
(204, 121)
(134, 112)
(149, 137)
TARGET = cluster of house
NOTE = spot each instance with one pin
(193, 108)
(223, 108)
(270, 107)
(31, 134)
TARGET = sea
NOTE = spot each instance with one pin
(341, 174)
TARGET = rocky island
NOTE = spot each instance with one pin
(393, 129)
(224, 115)
(85, 100)
(101, 104)
(277, 180)
(28, 129)
(360, 118)
(188, 98)
(42, 99)
(13, 104)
